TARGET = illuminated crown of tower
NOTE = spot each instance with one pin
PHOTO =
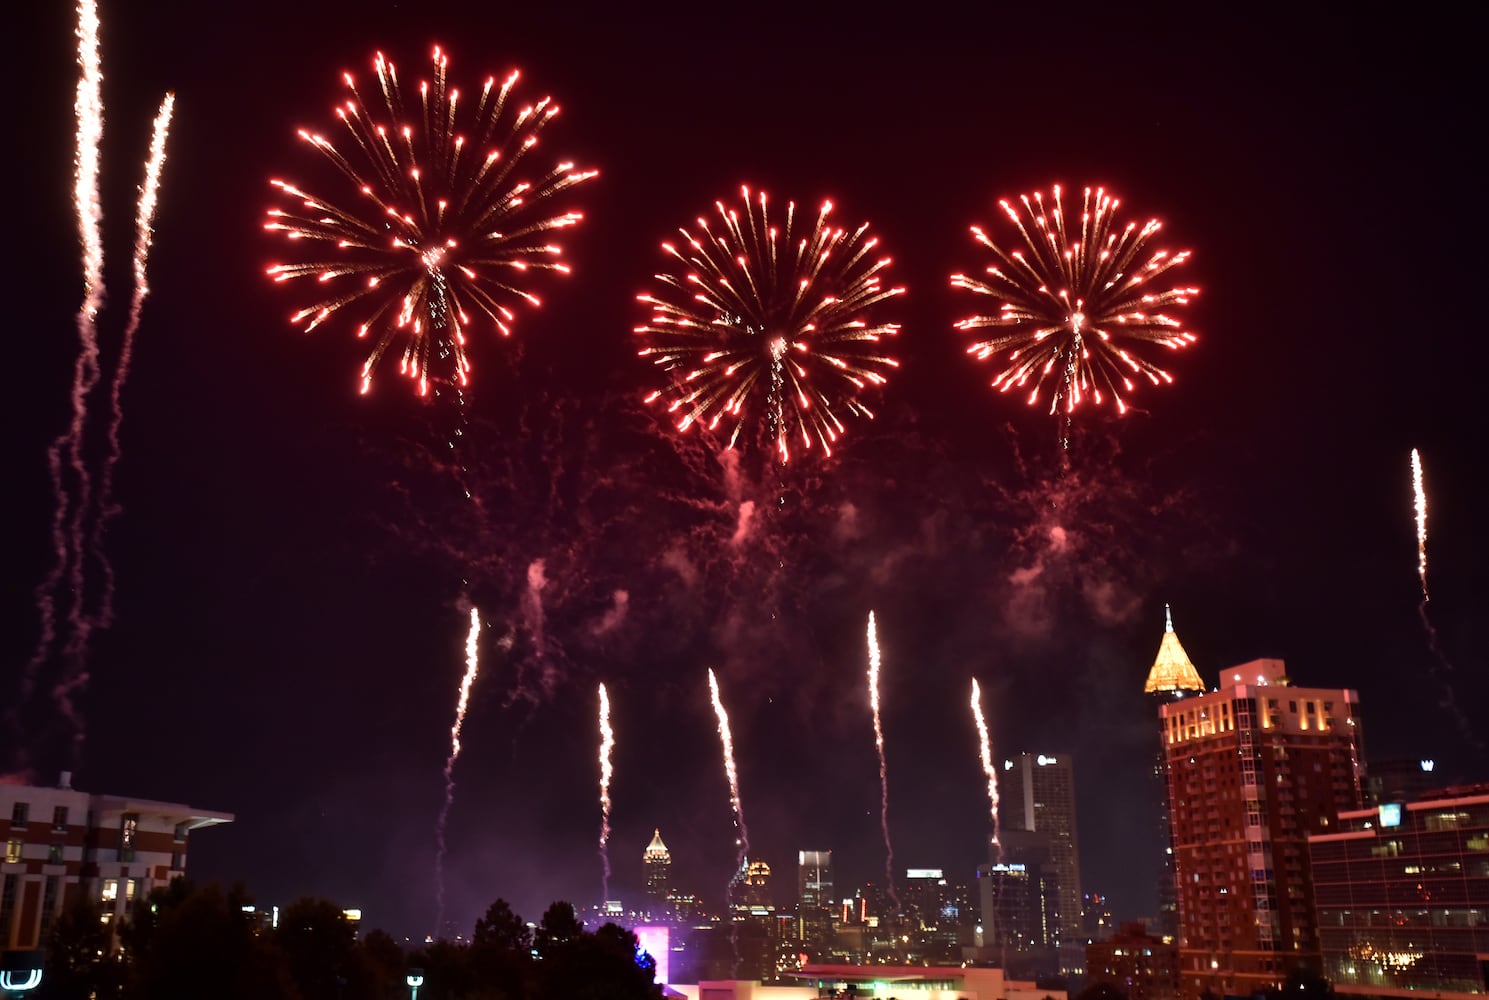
(656, 850)
(1172, 669)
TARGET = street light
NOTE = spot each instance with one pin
(415, 979)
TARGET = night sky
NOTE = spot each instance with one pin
(289, 562)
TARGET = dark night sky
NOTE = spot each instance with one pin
(288, 648)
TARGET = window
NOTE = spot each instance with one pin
(128, 826)
(130, 888)
(181, 829)
(54, 854)
(12, 851)
(20, 813)
(59, 818)
(110, 890)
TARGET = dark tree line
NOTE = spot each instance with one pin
(185, 942)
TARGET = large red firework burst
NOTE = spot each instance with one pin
(439, 222)
(1078, 303)
(761, 328)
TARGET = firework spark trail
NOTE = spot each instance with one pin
(1449, 702)
(986, 749)
(88, 110)
(143, 233)
(1420, 492)
(873, 640)
(1077, 305)
(472, 668)
(742, 840)
(607, 745)
(759, 324)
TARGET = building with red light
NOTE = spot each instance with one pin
(60, 842)
(1253, 768)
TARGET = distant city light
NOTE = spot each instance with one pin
(1428, 765)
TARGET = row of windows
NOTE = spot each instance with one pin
(20, 815)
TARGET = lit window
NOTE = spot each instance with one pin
(130, 888)
(128, 827)
(12, 851)
(110, 890)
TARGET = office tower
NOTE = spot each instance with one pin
(1038, 794)
(1019, 891)
(1171, 677)
(1402, 896)
(1254, 767)
(657, 863)
(814, 900)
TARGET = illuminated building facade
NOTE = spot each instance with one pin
(60, 842)
(1254, 768)
(1140, 965)
(1038, 794)
(1402, 896)
(656, 861)
(814, 900)
(1171, 678)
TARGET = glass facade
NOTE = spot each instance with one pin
(1402, 894)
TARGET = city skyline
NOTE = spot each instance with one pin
(294, 574)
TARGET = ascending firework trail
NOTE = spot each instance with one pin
(607, 746)
(75, 540)
(472, 669)
(742, 832)
(873, 640)
(1419, 494)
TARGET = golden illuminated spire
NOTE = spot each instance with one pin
(656, 850)
(1172, 669)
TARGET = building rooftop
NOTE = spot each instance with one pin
(1172, 669)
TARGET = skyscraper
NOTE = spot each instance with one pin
(1253, 768)
(1171, 677)
(814, 900)
(1038, 794)
(657, 863)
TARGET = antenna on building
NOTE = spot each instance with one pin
(65, 782)
(1168, 617)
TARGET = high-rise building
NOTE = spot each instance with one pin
(1019, 890)
(656, 861)
(61, 842)
(1402, 896)
(1140, 965)
(814, 900)
(1037, 793)
(1254, 767)
(1171, 678)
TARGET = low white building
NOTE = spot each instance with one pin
(60, 842)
